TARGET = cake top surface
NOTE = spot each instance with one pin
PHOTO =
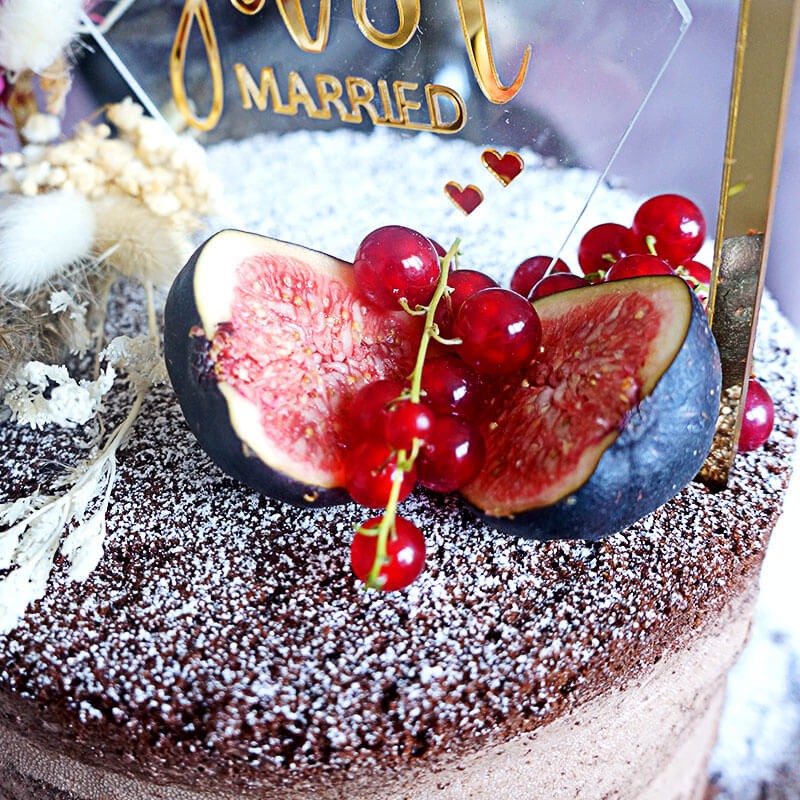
(222, 628)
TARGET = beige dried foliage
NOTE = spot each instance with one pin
(55, 82)
(29, 331)
(138, 243)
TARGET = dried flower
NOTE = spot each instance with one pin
(29, 259)
(34, 35)
(32, 528)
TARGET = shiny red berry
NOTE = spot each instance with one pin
(369, 473)
(499, 331)
(405, 422)
(605, 244)
(532, 270)
(369, 408)
(637, 265)
(695, 271)
(555, 283)
(451, 386)
(405, 554)
(394, 262)
(758, 419)
(452, 456)
(463, 284)
(676, 225)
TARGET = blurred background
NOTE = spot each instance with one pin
(677, 144)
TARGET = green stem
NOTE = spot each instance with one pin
(430, 326)
(405, 461)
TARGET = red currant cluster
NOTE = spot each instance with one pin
(425, 431)
(666, 234)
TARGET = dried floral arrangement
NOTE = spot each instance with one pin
(121, 198)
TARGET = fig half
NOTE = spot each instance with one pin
(265, 344)
(615, 417)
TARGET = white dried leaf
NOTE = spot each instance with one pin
(81, 337)
(43, 394)
(84, 546)
(138, 356)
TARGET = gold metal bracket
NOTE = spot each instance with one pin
(765, 51)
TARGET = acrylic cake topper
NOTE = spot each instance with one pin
(532, 82)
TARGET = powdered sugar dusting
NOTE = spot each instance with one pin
(223, 633)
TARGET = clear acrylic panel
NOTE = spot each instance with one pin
(471, 102)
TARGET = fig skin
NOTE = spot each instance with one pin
(661, 448)
(205, 408)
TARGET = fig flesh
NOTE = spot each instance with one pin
(265, 344)
(613, 419)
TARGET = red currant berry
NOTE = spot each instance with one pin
(604, 244)
(405, 554)
(369, 474)
(451, 387)
(532, 270)
(464, 283)
(758, 419)
(676, 225)
(370, 407)
(407, 421)
(453, 455)
(637, 265)
(556, 282)
(698, 276)
(695, 272)
(499, 331)
(440, 251)
(394, 262)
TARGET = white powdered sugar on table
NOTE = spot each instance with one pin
(758, 752)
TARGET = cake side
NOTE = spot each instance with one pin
(222, 641)
(590, 751)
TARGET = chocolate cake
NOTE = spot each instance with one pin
(222, 648)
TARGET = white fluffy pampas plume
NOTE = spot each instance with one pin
(42, 235)
(34, 33)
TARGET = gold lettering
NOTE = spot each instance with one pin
(258, 94)
(408, 12)
(389, 115)
(295, 21)
(251, 7)
(298, 96)
(196, 10)
(329, 91)
(433, 91)
(479, 50)
(404, 105)
(361, 93)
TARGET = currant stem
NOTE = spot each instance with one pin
(405, 461)
(431, 328)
